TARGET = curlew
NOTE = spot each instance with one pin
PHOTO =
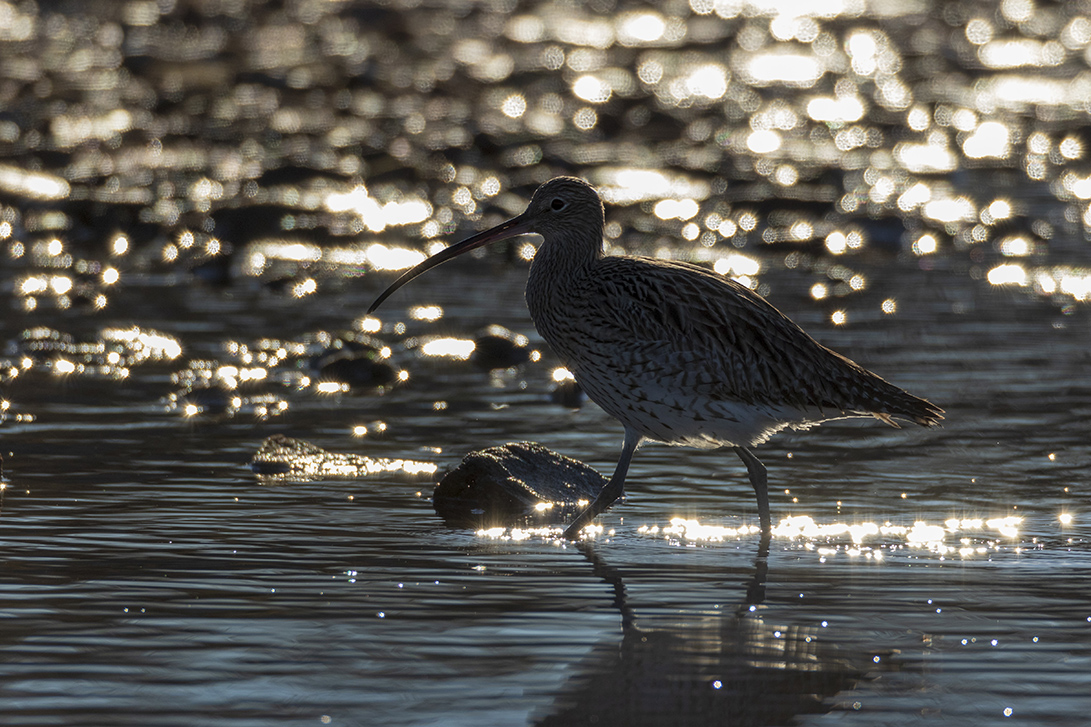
(677, 353)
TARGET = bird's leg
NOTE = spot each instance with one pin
(614, 489)
(758, 479)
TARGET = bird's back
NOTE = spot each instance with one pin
(652, 338)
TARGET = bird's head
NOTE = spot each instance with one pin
(562, 205)
(562, 208)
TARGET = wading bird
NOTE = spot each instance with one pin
(675, 352)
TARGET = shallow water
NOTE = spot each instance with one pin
(150, 578)
(198, 203)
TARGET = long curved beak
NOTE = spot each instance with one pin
(514, 227)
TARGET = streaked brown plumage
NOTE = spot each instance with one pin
(675, 352)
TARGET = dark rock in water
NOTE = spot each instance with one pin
(568, 393)
(497, 347)
(209, 400)
(359, 362)
(359, 372)
(101, 352)
(354, 342)
(282, 458)
(280, 283)
(494, 486)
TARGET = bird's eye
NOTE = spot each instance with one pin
(557, 204)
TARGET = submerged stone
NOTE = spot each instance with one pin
(282, 458)
(568, 393)
(360, 371)
(496, 347)
(108, 352)
(208, 400)
(517, 480)
(356, 360)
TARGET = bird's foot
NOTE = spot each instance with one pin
(585, 518)
(609, 495)
(572, 532)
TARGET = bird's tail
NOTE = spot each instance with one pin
(900, 404)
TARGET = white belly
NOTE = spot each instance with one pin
(667, 415)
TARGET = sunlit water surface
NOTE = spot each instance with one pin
(198, 204)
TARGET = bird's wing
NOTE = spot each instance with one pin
(715, 336)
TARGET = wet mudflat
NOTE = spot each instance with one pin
(197, 204)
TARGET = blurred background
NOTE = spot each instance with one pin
(200, 198)
(259, 142)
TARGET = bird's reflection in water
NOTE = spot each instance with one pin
(725, 667)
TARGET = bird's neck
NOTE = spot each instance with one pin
(560, 265)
